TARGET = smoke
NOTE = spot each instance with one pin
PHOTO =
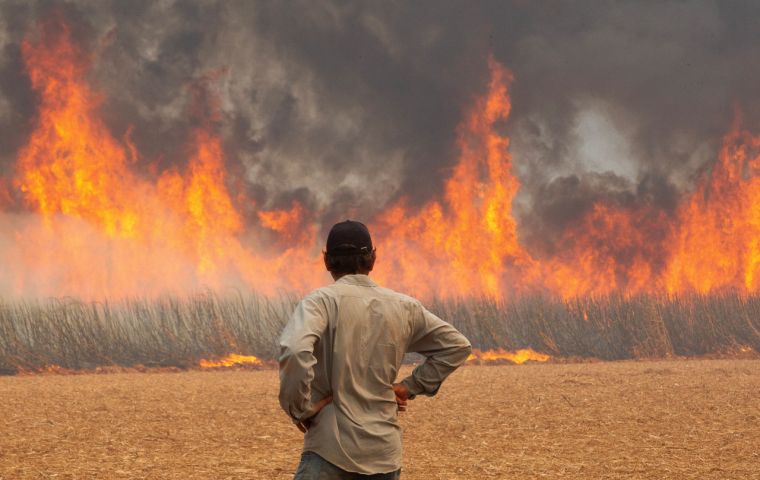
(346, 106)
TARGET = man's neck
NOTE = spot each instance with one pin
(338, 276)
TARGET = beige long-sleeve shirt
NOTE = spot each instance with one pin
(348, 340)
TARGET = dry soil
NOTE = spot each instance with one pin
(659, 420)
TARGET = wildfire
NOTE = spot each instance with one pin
(501, 356)
(100, 226)
(105, 230)
(718, 242)
(467, 244)
(231, 360)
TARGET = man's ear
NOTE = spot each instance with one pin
(327, 262)
(372, 259)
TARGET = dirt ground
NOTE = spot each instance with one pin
(675, 419)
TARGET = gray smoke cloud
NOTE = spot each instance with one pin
(345, 106)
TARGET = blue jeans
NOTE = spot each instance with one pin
(314, 467)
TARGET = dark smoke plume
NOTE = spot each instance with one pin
(346, 106)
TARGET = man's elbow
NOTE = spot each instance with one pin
(458, 350)
(464, 351)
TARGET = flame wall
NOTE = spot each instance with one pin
(94, 205)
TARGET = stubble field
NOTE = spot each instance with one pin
(675, 419)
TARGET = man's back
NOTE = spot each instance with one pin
(348, 340)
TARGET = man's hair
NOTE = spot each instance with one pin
(350, 264)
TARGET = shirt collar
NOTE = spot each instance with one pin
(357, 279)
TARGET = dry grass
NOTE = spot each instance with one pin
(660, 420)
(178, 332)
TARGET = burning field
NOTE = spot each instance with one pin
(127, 240)
(87, 215)
(567, 186)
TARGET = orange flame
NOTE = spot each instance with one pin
(588, 261)
(466, 245)
(231, 360)
(711, 244)
(718, 243)
(501, 356)
(100, 228)
(107, 231)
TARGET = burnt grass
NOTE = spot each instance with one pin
(179, 331)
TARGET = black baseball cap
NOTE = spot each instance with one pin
(348, 238)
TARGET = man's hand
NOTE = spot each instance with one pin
(305, 425)
(402, 396)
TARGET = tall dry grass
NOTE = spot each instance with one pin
(165, 332)
(177, 332)
(613, 328)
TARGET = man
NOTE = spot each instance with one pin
(340, 354)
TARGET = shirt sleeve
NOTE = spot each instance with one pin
(443, 346)
(306, 326)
